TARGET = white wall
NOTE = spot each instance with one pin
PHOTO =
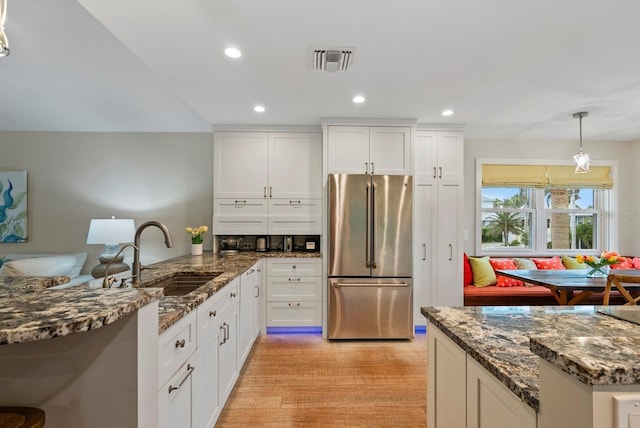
(74, 177)
(626, 153)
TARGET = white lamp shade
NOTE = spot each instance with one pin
(111, 231)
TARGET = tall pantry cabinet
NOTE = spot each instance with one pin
(438, 211)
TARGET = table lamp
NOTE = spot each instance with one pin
(110, 232)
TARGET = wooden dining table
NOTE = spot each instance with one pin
(570, 286)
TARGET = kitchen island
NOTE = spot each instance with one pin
(90, 356)
(526, 366)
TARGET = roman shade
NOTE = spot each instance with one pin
(513, 176)
(545, 176)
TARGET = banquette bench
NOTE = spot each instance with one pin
(482, 287)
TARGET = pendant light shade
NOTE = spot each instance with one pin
(582, 160)
(4, 43)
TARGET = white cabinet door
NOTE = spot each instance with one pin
(390, 150)
(295, 165)
(491, 405)
(206, 406)
(240, 164)
(450, 156)
(245, 318)
(175, 400)
(446, 381)
(425, 195)
(258, 286)
(426, 156)
(448, 256)
(348, 149)
(227, 354)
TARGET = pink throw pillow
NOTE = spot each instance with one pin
(554, 262)
(505, 264)
(626, 264)
(468, 273)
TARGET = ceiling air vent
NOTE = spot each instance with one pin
(337, 59)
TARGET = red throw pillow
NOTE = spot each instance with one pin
(505, 264)
(554, 262)
(626, 264)
(636, 262)
(468, 273)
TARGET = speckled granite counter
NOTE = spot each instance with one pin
(594, 348)
(30, 311)
(173, 308)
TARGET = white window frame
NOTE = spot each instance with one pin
(607, 227)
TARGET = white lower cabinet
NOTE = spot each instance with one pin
(177, 346)
(247, 326)
(463, 394)
(294, 292)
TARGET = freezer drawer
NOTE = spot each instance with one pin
(370, 308)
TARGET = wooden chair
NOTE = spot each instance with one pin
(617, 280)
(21, 417)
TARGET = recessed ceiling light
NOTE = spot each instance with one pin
(259, 109)
(232, 53)
(358, 99)
(447, 112)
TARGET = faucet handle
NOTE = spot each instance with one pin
(108, 281)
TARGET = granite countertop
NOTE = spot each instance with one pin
(508, 340)
(29, 310)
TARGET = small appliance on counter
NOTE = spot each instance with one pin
(229, 245)
(262, 243)
(287, 243)
(311, 244)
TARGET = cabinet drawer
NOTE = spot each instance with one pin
(294, 314)
(294, 267)
(295, 207)
(295, 225)
(209, 312)
(294, 288)
(174, 399)
(176, 345)
(245, 225)
(239, 207)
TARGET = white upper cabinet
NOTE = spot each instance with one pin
(295, 165)
(240, 164)
(439, 155)
(267, 165)
(369, 150)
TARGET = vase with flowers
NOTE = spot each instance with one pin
(600, 265)
(196, 239)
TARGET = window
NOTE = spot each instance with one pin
(537, 215)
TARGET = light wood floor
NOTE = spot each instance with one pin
(302, 380)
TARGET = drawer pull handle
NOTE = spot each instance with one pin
(180, 343)
(257, 291)
(297, 305)
(295, 202)
(233, 294)
(224, 335)
(190, 370)
(241, 201)
(294, 280)
(213, 313)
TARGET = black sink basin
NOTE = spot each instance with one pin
(183, 283)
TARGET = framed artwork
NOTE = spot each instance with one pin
(13, 206)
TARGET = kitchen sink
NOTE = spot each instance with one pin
(183, 283)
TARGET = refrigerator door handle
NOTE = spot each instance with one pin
(368, 284)
(367, 238)
(373, 227)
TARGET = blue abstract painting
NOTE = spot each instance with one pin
(13, 206)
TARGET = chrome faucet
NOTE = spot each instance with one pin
(136, 267)
(107, 282)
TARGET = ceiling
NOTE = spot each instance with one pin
(510, 70)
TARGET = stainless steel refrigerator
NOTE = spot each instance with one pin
(370, 263)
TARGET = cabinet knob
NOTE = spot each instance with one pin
(233, 294)
(213, 313)
(294, 266)
(180, 343)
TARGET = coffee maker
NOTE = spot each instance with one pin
(262, 243)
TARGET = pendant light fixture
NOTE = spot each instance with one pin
(4, 43)
(582, 160)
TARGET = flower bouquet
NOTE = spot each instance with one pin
(196, 233)
(600, 265)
